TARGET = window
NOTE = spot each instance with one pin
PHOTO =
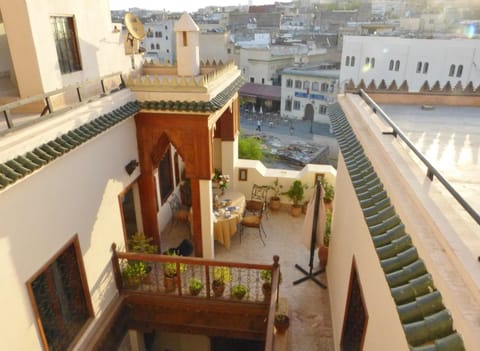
(419, 67)
(66, 44)
(296, 105)
(397, 65)
(390, 66)
(166, 27)
(149, 33)
(165, 176)
(263, 80)
(288, 105)
(152, 46)
(289, 83)
(298, 84)
(367, 61)
(347, 61)
(315, 86)
(252, 79)
(157, 46)
(306, 85)
(425, 67)
(352, 61)
(323, 109)
(229, 51)
(60, 299)
(158, 34)
(166, 37)
(168, 50)
(184, 37)
(356, 316)
(459, 71)
(324, 87)
(372, 62)
(452, 71)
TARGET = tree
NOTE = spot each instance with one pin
(250, 148)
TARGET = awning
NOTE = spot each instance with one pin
(267, 92)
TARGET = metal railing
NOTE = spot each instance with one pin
(147, 273)
(431, 170)
(80, 97)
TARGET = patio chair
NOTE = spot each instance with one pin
(179, 211)
(252, 218)
(259, 193)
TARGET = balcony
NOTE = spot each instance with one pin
(154, 306)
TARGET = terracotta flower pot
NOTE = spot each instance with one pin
(274, 203)
(218, 288)
(296, 211)
(282, 324)
(323, 256)
(170, 283)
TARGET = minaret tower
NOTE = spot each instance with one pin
(188, 52)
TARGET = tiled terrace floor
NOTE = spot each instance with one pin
(311, 327)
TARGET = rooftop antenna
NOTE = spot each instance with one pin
(135, 31)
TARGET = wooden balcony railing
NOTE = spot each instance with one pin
(148, 274)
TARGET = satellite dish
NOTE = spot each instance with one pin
(134, 26)
(135, 31)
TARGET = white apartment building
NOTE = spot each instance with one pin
(414, 61)
(160, 42)
(307, 91)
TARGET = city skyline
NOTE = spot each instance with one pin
(180, 6)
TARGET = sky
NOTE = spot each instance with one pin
(180, 5)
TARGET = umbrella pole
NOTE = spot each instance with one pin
(310, 274)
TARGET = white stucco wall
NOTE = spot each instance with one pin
(439, 54)
(350, 241)
(75, 194)
(32, 44)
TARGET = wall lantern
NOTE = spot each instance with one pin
(131, 166)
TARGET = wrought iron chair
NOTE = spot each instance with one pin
(179, 211)
(252, 218)
(259, 193)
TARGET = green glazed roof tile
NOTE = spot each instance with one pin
(19, 167)
(25, 162)
(426, 321)
(214, 104)
(35, 159)
(9, 172)
(400, 260)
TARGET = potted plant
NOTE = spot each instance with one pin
(282, 322)
(138, 242)
(275, 199)
(296, 193)
(133, 274)
(329, 193)
(239, 291)
(170, 272)
(266, 277)
(323, 249)
(195, 286)
(221, 276)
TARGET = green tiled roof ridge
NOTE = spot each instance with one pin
(195, 106)
(19, 167)
(427, 323)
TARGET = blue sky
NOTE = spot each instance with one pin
(179, 5)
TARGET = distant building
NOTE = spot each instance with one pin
(307, 91)
(159, 41)
(412, 64)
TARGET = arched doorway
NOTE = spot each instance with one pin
(308, 113)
